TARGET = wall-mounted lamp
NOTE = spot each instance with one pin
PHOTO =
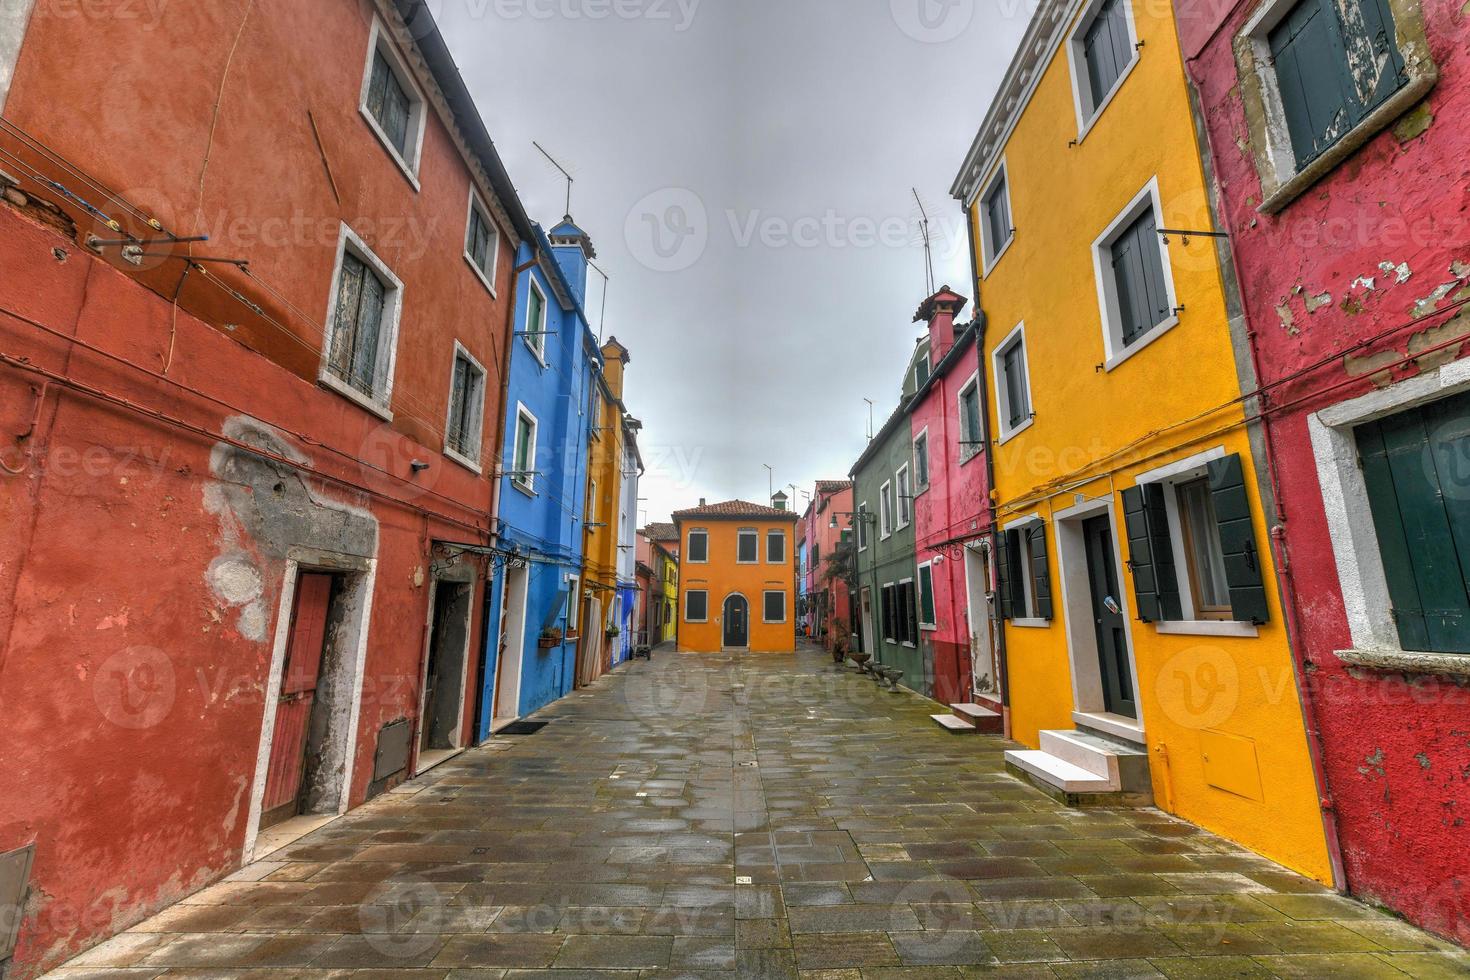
(418, 466)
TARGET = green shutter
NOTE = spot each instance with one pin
(1008, 580)
(1151, 554)
(926, 595)
(1040, 572)
(1244, 564)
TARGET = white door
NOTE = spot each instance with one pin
(978, 594)
(512, 647)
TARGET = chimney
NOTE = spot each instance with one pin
(701, 501)
(572, 250)
(778, 500)
(614, 360)
(939, 312)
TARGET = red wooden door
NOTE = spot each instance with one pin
(298, 694)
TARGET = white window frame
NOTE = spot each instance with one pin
(540, 334)
(967, 453)
(690, 550)
(862, 526)
(766, 594)
(1017, 336)
(912, 583)
(989, 253)
(885, 510)
(928, 460)
(525, 482)
(905, 508)
(487, 279)
(574, 599)
(1115, 352)
(469, 462)
(919, 596)
(685, 610)
(1090, 106)
(785, 550)
(1028, 579)
(1170, 475)
(378, 41)
(741, 533)
(349, 241)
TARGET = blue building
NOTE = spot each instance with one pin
(531, 657)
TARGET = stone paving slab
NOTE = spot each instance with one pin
(758, 816)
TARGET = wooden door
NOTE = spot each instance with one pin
(299, 675)
(737, 622)
(1107, 616)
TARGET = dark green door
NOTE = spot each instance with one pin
(1416, 465)
(737, 622)
(1107, 618)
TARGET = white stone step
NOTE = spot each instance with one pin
(954, 723)
(1060, 773)
(1084, 752)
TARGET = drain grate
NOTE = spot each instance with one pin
(523, 728)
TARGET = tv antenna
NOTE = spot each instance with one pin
(564, 173)
(928, 249)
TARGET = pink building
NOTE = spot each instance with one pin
(951, 506)
(829, 603)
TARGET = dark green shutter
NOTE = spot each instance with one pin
(1151, 554)
(1007, 580)
(1244, 564)
(1040, 572)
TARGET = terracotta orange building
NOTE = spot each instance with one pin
(737, 588)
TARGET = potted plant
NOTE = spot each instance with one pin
(550, 637)
(613, 631)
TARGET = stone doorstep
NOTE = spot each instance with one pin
(954, 723)
(1082, 767)
(982, 716)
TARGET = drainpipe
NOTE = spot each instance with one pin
(1000, 629)
(1285, 580)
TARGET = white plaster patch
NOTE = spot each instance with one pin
(235, 579)
(1430, 303)
(1400, 272)
(1315, 303)
(1362, 282)
(253, 622)
(1460, 270)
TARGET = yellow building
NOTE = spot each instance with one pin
(663, 559)
(607, 450)
(737, 589)
(1146, 656)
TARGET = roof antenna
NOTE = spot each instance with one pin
(563, 172)
(928, 250)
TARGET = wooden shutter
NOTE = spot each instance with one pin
(1138, 275)
(1040, 572)
(1151, 554)
(1244, 566)
(1008, 578)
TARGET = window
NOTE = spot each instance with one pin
(535, 332)
(921, 369)
(592, 501)
(523, 453)
(775, 607)
(698, 545)
(1102, 51)
(462, 431)
(885, 513)
(1012, 384)
(1205, 559)
(747, 546)
(696, 606)
(905, 497)
(482, 243)
(776, 547)
(362, 325)
(921, 462)
(906, 626)
(1024, 574)
(889, 594)
(926, 596)
(392, 105)
(971, 431)
(995, 215)
(574, 600)
(1135, 284)
(862, 528)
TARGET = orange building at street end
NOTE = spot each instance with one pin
(737, 588)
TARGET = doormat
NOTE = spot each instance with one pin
(522, 728)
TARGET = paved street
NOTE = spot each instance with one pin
(722, 815)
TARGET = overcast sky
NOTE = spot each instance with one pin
(744, 169)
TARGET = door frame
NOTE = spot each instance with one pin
(457, 573)
(724, 610)
(865, 613)
(515, 645)
(1088, 705)
(980, 610)
(345, 652)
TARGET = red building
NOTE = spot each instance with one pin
(951, 506)
(1339, 153)
(829, 602)
(242, 502)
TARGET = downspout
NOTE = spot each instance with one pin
(1285, 580)
(1000, 622)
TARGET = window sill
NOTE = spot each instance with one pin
(409, 173)
(523, 488)
(929, 627)
(1086, 127)
(1408, 661)
(1031, 622)
(1007, 435)
(470, 464)
(1207, 627)
(973, 456)
(480, 275)
(539, 355)
(1143, 340)
(333, 383)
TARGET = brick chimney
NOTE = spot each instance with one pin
(939, 312)
(614, 359)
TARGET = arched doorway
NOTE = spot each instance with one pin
(736, 621)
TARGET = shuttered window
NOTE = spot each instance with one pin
(997, 207)
(523, 460)
(699, 545)
(466, 405)
(389, 104)
(1107, 47)
(926, 595)
(1138, 275)
(480, 240)
(970, 432)
(890, 613)
(357, 328)
(536, 319)
(775, 607)
(1336, 61)
(1014, 388)
(1025, 573)
(906, 603)
(921, 462)
(696, 606)
(1416, 466)
(776, 547)
(747, 546)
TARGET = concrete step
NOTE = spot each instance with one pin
(955, 724)
(990, 702)
(1090, 753)
(982, 717)
(1060, 773)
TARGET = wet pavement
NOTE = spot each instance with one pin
(757, 816)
